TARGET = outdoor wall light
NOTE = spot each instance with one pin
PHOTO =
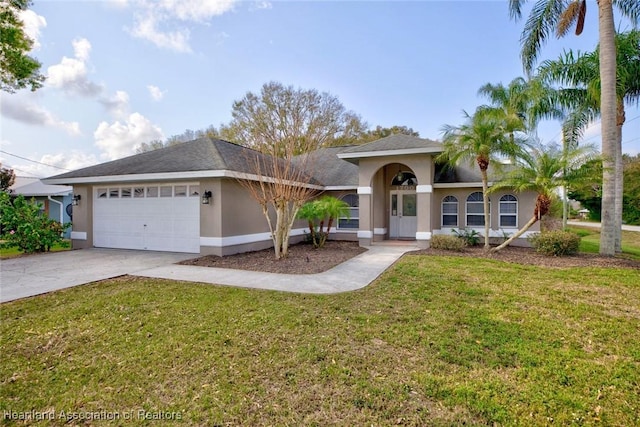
(206, 197)
(76, 199)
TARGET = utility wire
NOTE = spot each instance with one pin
(34, 161)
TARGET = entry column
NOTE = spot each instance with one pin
(425, 199)
(365, 229)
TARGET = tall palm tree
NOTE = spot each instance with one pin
(523, 101)
(580, 73)
(544, 169)
(549, 15)
(482, 139)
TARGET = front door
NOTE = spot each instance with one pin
(403, 223)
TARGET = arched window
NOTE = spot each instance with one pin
(353, 222)
(475, 210)
(404, 178)
(508, 211)
(450, 211)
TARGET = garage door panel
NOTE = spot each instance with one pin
(151, 223)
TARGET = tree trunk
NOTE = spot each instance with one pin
(619, 175)
(519, 233)
(608, 120)
(485, 204)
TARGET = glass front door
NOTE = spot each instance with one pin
(403, 222)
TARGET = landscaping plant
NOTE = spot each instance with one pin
(317, 212)
(25, 227)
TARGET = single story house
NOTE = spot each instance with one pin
(187, 198)
(56, 200)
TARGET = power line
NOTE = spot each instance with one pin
(34, 161)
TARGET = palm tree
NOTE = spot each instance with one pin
(483, 138)
(580, 72)
(523, 102)
(543, 169)
(317, 211)
(549, 15)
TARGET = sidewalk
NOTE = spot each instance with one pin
(354, 274)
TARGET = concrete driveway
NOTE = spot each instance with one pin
(38, 274)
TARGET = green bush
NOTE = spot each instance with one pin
(556, 243)
(447, 243)
(26, 228)
(470, 237)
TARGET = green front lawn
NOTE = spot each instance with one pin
(434, 341)
(14, 252)
(590, 241)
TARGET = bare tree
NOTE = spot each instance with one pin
(284, 126)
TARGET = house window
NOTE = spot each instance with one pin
(152, 191)
(181, 191)
(126, 192)
(450, 211)
(166, 191)
(114, 193)
(353, 222)
(404, 178)
(102, 193)
(194, 190)
(138, 192)
(508, 211)
(475, 210)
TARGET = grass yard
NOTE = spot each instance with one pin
(590, 242)
(434, 341)
(14, 252)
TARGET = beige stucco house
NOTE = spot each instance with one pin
(187, 198)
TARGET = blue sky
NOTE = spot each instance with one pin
(120, 73)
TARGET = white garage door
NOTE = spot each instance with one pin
(155, 217)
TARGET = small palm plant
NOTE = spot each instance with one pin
(317, 212)
(544, 169)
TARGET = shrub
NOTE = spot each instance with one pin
(447, 243)
(470, 237)
(556, 243)
(26, 228)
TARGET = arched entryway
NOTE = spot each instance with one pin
(403, 205)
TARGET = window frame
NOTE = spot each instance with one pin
(476, 214)
(501, 203)
(352, 209)
(447, 200)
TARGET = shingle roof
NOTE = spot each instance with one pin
(29, 187)
(333, 171)
(397, 142)
(199, 155)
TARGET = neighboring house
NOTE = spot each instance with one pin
(154, 200)
(56, 200)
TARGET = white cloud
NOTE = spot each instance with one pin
(63, 161)
(118, 139)
(118, 104)
(30, 113)
(156, 93)
(71, 74)
(33, 23)
(260, 5)
(151, 19)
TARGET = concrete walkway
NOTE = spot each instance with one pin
(354, 274)
(625, 227)
(27, 276)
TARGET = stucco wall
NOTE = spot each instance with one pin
(82, 225)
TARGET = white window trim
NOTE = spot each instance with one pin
(352, 230)
(442, 214)
(500, 214)
(466, 209)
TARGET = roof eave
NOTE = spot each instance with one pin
(382, 153)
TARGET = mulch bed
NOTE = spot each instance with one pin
(305, 259)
